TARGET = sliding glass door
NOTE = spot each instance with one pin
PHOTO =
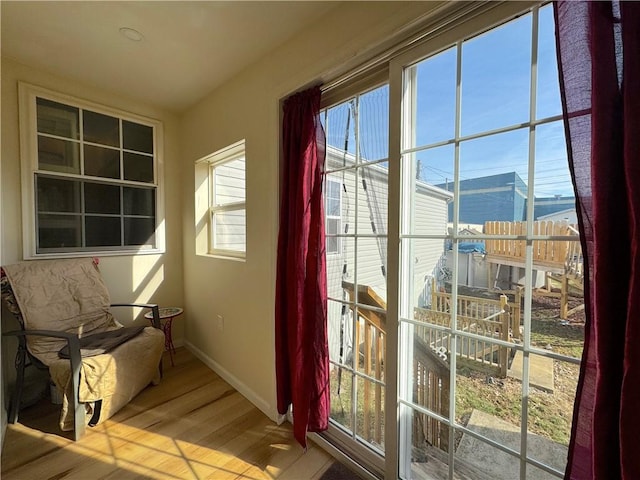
(490, 278)
(456, 317)
(356, 199)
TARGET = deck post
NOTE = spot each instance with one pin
(564, 296)
(503, 351)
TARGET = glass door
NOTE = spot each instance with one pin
(491, 319)
(356, 196)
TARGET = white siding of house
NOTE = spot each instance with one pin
(431, 218)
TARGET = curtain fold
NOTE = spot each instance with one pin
(302, 353)
(598, 46)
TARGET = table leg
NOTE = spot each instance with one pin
(168, 340)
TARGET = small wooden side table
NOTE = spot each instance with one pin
(167, 314)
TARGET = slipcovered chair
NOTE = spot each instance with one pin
(97, 365)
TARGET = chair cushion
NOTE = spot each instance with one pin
(65, 295)
(102, 342)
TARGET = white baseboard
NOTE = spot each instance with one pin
(269, 410)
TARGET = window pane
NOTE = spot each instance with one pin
(139, 201)
(435, 99)
(332, 198)
(340, 269)
(370, 414)
(57, 155)
(342, 194)
(139, 231)
(493, 178)
(137, 137)
(374, 124)
(102, 231)
(101, 198)
(138, 167)
(57, 195)
(486, 460)
(429, 270)
(230, 231)
(332, 228)
(229, 184)
(550, 409)
(59, 231)
(57, 119)
(371, 266)
(341, 399)
(102, 129)
(496, 75)
(548, 92)
(340, 132)
(101, 162)
(372, 194)
(427, 455)
(553, 187)
(430, 187)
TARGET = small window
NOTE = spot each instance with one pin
(332, 206)
(227, 233)
(91, 177)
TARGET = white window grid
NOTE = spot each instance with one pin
(29, 94)
(405, 322)
(223, 157)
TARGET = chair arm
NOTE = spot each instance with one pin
(152, 306)
(72, 340)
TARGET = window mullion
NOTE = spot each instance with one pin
(524, 416)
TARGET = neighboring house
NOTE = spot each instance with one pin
(556, 209)
(347, 203)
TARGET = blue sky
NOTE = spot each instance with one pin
(496, 72)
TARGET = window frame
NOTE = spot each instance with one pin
(336, 218)
(436, 37)
(28, 95)
(401, 98)
(205, 170)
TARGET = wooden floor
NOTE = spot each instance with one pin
(192, 426)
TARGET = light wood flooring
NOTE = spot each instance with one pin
(191, 426)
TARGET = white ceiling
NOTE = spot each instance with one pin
(188, 49)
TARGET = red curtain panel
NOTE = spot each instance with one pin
(302, 353)
(598, 46)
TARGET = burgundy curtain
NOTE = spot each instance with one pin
(599, 60)
(302, 353)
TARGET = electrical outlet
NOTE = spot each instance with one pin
(220, 322)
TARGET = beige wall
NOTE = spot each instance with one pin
(247, 107)
(130, 278)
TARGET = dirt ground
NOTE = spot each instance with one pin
(550, 414)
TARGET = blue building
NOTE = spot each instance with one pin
(501, 197)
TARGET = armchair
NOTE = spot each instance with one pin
(67, 327)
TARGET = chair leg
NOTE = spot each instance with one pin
(21, 357)
(79, 424)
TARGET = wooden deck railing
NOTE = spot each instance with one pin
(431, 373)
(561, 260)
(485, 317)
(560, 255)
